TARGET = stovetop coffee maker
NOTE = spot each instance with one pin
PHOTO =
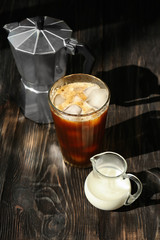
(40, 46)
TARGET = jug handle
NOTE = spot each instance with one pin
(133, 197)
(89, 59)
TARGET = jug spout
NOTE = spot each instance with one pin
(93, 161)
(10, 26)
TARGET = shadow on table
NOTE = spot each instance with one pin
(136, 136)
(151, 189)
(131, 85)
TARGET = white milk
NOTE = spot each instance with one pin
(107, 193)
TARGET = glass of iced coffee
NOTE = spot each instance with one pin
(79, 105)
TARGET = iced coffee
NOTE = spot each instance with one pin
(79, 105)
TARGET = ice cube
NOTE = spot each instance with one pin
(77, 99)
(58, 100)
(73, 109)
(97, 98)
(88, 90)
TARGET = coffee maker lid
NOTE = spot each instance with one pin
(38, 35)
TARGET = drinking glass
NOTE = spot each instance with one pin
(79, 136)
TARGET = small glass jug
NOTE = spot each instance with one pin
(108, 186)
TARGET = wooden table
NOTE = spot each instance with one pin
(40, 196)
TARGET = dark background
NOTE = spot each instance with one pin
(118, 33)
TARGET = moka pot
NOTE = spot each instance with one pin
(40, 46)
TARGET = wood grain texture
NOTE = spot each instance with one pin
(40, 196)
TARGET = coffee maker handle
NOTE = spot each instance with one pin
(73, 47)
(89, 59)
